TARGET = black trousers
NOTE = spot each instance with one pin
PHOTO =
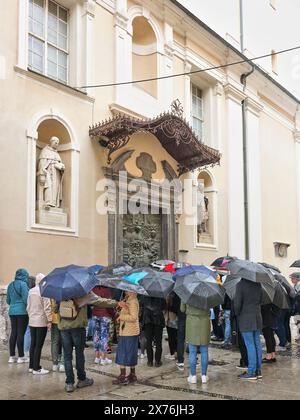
(218, 330)
(269, 336)
(181, 338)
(154, 333)
(287, 326)
(172, 335)
(19, 325)
(38, 336)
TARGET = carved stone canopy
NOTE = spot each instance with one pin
(173, 132)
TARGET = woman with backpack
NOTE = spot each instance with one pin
(17, 294)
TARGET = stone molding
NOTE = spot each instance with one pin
(297, 136)
(233, 93)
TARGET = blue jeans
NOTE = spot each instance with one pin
(254, 350)
(281, 331)
(90, 328)
(193, 359)
(227, 317)
(27, 341)
(74, 338)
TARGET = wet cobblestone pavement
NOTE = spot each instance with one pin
(281, 381)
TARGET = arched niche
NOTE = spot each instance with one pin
(63, 218)
(207, 209)
(144, 54)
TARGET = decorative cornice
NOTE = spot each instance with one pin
(90, 7)
(254, 106)
(169, 50)
(233, 93)
(121, 21)
(297, 136)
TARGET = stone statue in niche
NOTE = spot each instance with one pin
(203, 209)
(50, 176)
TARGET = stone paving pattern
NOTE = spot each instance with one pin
(166, 383)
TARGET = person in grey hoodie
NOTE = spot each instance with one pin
(16, 298)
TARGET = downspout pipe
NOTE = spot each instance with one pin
(244, 78)
(242, 25)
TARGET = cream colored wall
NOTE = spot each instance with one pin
(21, 98)
(145, 67)
(279, 187)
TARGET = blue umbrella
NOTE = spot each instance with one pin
(67, 283)
(195, 269)
(96, 268)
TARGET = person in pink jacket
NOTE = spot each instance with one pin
(40, 321)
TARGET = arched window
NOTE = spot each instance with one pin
(207, 208)
(144, 54)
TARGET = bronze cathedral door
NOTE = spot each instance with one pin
(142, 239)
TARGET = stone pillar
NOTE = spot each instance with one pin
(236, 212)
(254, 180)
(4, 324)
(187, 92)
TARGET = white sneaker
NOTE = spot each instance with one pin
(180, 366)
(192, 380)
(12, 360)
(30, 370)
(41, 372)
(55, 368)
(22, 360)
(105, 362)
(62, 369)
(204, 379)
(142, 356)
(169, 357)
(282, 348)
(97, 361)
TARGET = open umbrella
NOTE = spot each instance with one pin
(161, 264)
(285, 283)
(251, 271)
(120, 283)
(269, 292)
(222, 261)
(199, 290)
(296, 264)
(116, 270)
(230, 285)
(157, 284)
(172, 268)
(96, 268)
(67, 283)
(270, 267)
(195, 269)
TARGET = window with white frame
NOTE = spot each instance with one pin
(48, 39)
(197, 111)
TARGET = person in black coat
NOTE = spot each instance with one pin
(247, 306)
(269, 315)
(154, 324)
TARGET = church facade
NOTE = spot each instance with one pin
(208, 161)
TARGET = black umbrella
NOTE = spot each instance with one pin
(230, 285)
(285, 283)
(144, 281)
(281, 298)
(116, 270)
(296, 264)
(269, 292)
(121, 284)
(251, 271)
(270, 267)
(222, 261)
(200, 290)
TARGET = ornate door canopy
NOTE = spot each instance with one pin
(173, 132)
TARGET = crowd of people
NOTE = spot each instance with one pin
(137, 324)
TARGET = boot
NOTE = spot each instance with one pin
(121, 380)
(131, 378)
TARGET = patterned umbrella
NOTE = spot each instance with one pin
(199, 290)
(116, 270)
(223, 261)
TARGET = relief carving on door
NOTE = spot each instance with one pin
(142, 239)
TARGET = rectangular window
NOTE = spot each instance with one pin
(48, 39)
(197, 111)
